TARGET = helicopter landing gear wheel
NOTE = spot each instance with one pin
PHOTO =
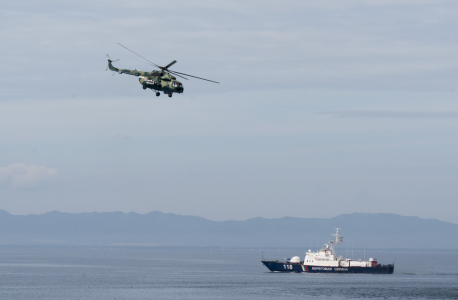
(158, 94)
(170, 95)
(144, 87)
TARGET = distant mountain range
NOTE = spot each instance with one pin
(156, 228)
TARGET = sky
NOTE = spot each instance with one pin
(323, 108)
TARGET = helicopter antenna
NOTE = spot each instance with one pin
(139, 56)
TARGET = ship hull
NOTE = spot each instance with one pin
(276, 266)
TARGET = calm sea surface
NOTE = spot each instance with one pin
(190, 273)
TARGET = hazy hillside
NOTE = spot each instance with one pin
(358, 229)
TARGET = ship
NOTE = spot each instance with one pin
(326, 261)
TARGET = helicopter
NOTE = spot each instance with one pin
(163, 80)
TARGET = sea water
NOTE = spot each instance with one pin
(212, 273)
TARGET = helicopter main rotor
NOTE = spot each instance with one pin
(166, 68)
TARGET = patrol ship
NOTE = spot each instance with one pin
(326, 261)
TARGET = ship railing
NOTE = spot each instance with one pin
(276, 260)
(283, 261)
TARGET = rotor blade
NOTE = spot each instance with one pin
(139, 55)
(170, 64)
(113, 60)
(177, 75)
(193, 76)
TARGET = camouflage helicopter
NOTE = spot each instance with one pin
(163, 80)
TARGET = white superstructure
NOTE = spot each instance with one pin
(326, 257)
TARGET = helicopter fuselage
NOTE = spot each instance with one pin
(155, 80)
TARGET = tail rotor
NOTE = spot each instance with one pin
(110, 60)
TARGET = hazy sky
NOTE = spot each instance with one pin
(324, 108)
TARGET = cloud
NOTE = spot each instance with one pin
(22, 176)
(403, 114)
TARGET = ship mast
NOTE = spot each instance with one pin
(333, 243)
